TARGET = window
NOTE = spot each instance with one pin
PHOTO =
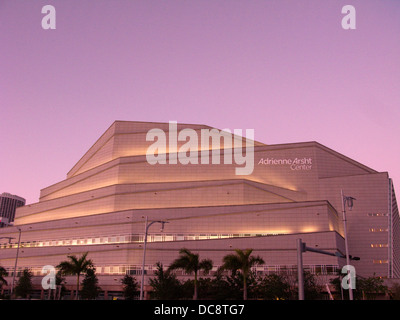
(135, 238)
(378, 229)
(380, 261)
(318, 269)
(377, 214)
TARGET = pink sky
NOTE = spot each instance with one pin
(284, 68)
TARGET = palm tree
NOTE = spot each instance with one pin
(242, 261)
(190, 262)
(75, 266)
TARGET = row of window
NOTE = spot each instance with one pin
(379, 245)
(127, 238)
(378, 230)
(377, 214)
(150, 269)
(138, 238)
(380, 261)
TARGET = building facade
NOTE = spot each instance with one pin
(294, 191)
(8, 205)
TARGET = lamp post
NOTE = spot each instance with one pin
(349, 202)
(147, 226)
(301, 247)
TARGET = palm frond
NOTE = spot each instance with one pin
(206, 265)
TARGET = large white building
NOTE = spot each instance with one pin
(294, 191)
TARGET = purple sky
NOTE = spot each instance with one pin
(284, 68)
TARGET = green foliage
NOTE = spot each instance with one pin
(165, 285)
(365, 288)
(230, 287)
(24, 284)
(312, 290)
(190, 263)
(130, 289)
(75, 266)
(242, 260)
(370, 287)
(217, 288)
(241, 282)
(60, 281)
(274, 287)
(90, 288)
(3, 273)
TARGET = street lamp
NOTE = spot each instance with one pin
(147, 226)
(349, 202)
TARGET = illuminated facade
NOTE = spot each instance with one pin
(293, 192)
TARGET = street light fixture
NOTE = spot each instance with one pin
(147, 226)
(9, 238)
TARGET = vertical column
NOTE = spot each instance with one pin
(300, 273)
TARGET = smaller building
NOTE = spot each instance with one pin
(8, 205)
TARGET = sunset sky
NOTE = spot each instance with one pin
(285, 68)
